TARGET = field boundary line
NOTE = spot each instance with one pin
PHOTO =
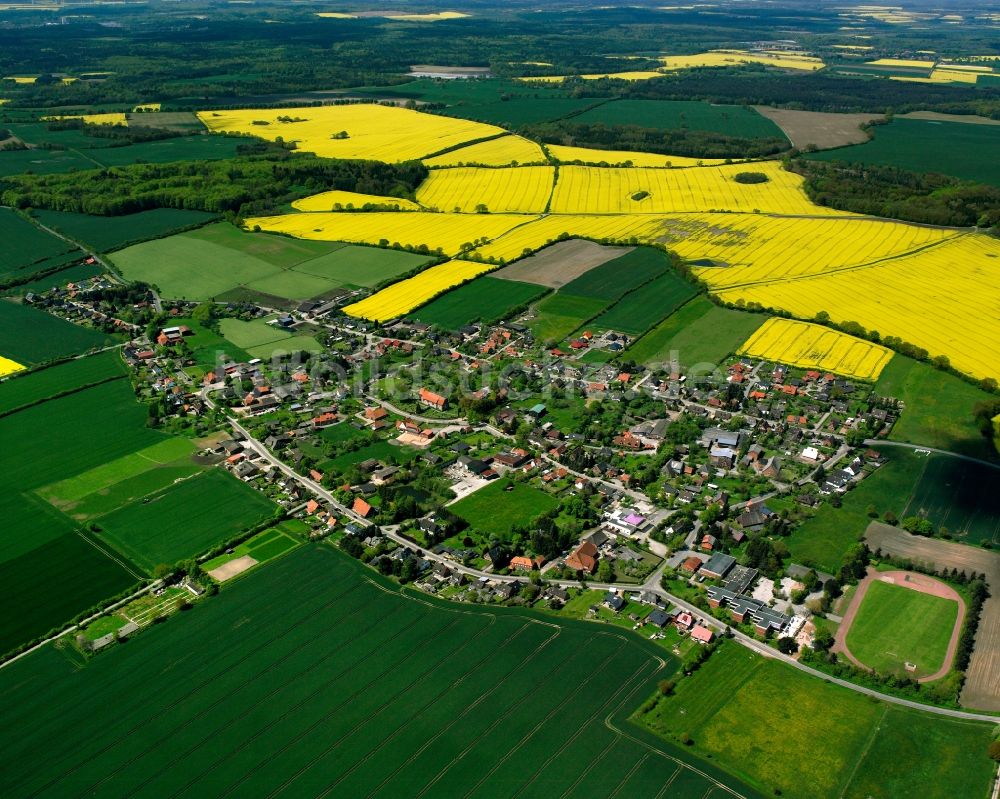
(469, 674)
(386, 704)
(668, 783)
(496, 722)
(332, 653)
(627, 777)
(610, 724)
(465, 712)
(190, 693)
(108, 555)
(864, 751)
(580, 728)
(323, 686)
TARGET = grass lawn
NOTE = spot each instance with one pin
(485, 299)
(558, 315)
(971, 152)
(760, 719)
(262, 340)
(896, 625)
(185, 519)
(938, 409)
(338, 433)
(496, 511)
(185, 267)
(701, 333)
(34, 386)
(354, 265)
(30, 336)
(379, 450)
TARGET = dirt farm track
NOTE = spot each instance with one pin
(982, 684)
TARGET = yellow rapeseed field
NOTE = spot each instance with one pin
(943, 299)
(8, 367)
(502, 151)
(349, 200)
(22, 80)
(586, 155)
(403, 297)
(379, 132)
(752, 248)
(97, 119)
(447, 232)
(900, 62)
(728, 58)
(523, 190)
(585, 189)
(636, 75)
(532, 236)
(147, 108)
(815, 347)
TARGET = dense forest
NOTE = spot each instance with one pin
(237, 187)
(895, 193)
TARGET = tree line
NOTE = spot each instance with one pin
(236, 187)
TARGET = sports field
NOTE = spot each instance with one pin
(484, 299)
(184, 519)
(220, 258)
(971, 152)
(698, 333)
(30, 336)
(105, 233)
(63, 377)
(494, 510)
(742, 710)
(264, 546)
(303, 695)
(896, 625)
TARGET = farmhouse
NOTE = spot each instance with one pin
(432, 400)
(583, 558)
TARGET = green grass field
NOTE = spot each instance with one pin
(824, 539)
(40, 548)
(311, 677)
(68, 376)
(637, 312)
(42, 162)
(614, 279)
(938, 410)
(105, 233)
(218, 259)
(742, 710)
(732, 120)
(185, 519)
(495, 511)
(559, 314)
(971, 152)
(485, 299)
(262, 340)
(957, 495)
(380, 450)
(30, 336)
(26, 247)
(700, 332)
(897, 625)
